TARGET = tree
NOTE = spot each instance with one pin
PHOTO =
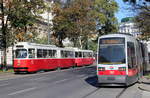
(105, 15)
(18, 18)
(84, 24)
(77, 20)
(143, 22)
(22, 15)
(42, 40)
(71, 21)
(135, 1)
(143, 16)
(59, 23)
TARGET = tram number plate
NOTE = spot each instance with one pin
(110, 78)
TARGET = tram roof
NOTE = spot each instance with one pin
(33, 44)
(42, 46)
(125, 35)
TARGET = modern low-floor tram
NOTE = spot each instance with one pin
(120, 60)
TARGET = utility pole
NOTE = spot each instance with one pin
(48, 24)
(3, 36)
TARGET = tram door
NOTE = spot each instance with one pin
(132, 66)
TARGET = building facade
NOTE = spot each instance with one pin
(127, 25)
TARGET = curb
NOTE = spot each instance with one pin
(144, 85)
(143, 88)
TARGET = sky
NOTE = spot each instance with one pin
(123, 10)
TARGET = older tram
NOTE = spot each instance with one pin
(83, 57)
(31, 57)
(120, 60)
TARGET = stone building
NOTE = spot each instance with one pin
(128, 25)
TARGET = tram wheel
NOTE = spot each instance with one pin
(17, 72)
(58, 68)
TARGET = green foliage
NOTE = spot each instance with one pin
(92, 45)
(143, 17)
(135, 1)
(105, 15)
(41, 40)
(21, 17)
(143, 22)
(77, 20)
(73, 21)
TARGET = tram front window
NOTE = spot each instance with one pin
(111, 54)
(21, 53)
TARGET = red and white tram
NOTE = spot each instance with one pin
(31, 57)
(83, 57)
(119, 60)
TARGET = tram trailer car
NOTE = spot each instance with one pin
(119, 60)
(65, 58)
(83, 57)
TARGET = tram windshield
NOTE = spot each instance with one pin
(20, 53)
(111, 52)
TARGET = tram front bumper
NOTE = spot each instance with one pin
(118, 79)
(20, 68)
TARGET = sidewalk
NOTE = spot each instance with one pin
(145, 87)
(6, 75)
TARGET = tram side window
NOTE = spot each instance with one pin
(67, 54)
(84, 54)
(31, 53)
(63, 54)
(80, 54)
(71, 55)
(76, 54)
(90, 54)
(45, 54)
(50, 53)
(149, 56)
(39, 53)
(20, 53)
(131, 54)
(54, 54)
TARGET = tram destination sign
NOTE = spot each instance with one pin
(112, 41)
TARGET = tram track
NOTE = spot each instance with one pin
(90, 93)
(119, 95)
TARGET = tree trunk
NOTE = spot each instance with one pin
(60, 43)
(80, 42)
(4, 47)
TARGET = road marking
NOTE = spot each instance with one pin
(41, 78)
(22, 91)
(4, 84)
(81, 76)
(60, 81)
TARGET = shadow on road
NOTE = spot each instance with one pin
(92, 81)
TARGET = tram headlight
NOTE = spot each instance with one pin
(122, 68)
(101, 68)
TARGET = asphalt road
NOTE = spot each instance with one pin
(79, 82)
